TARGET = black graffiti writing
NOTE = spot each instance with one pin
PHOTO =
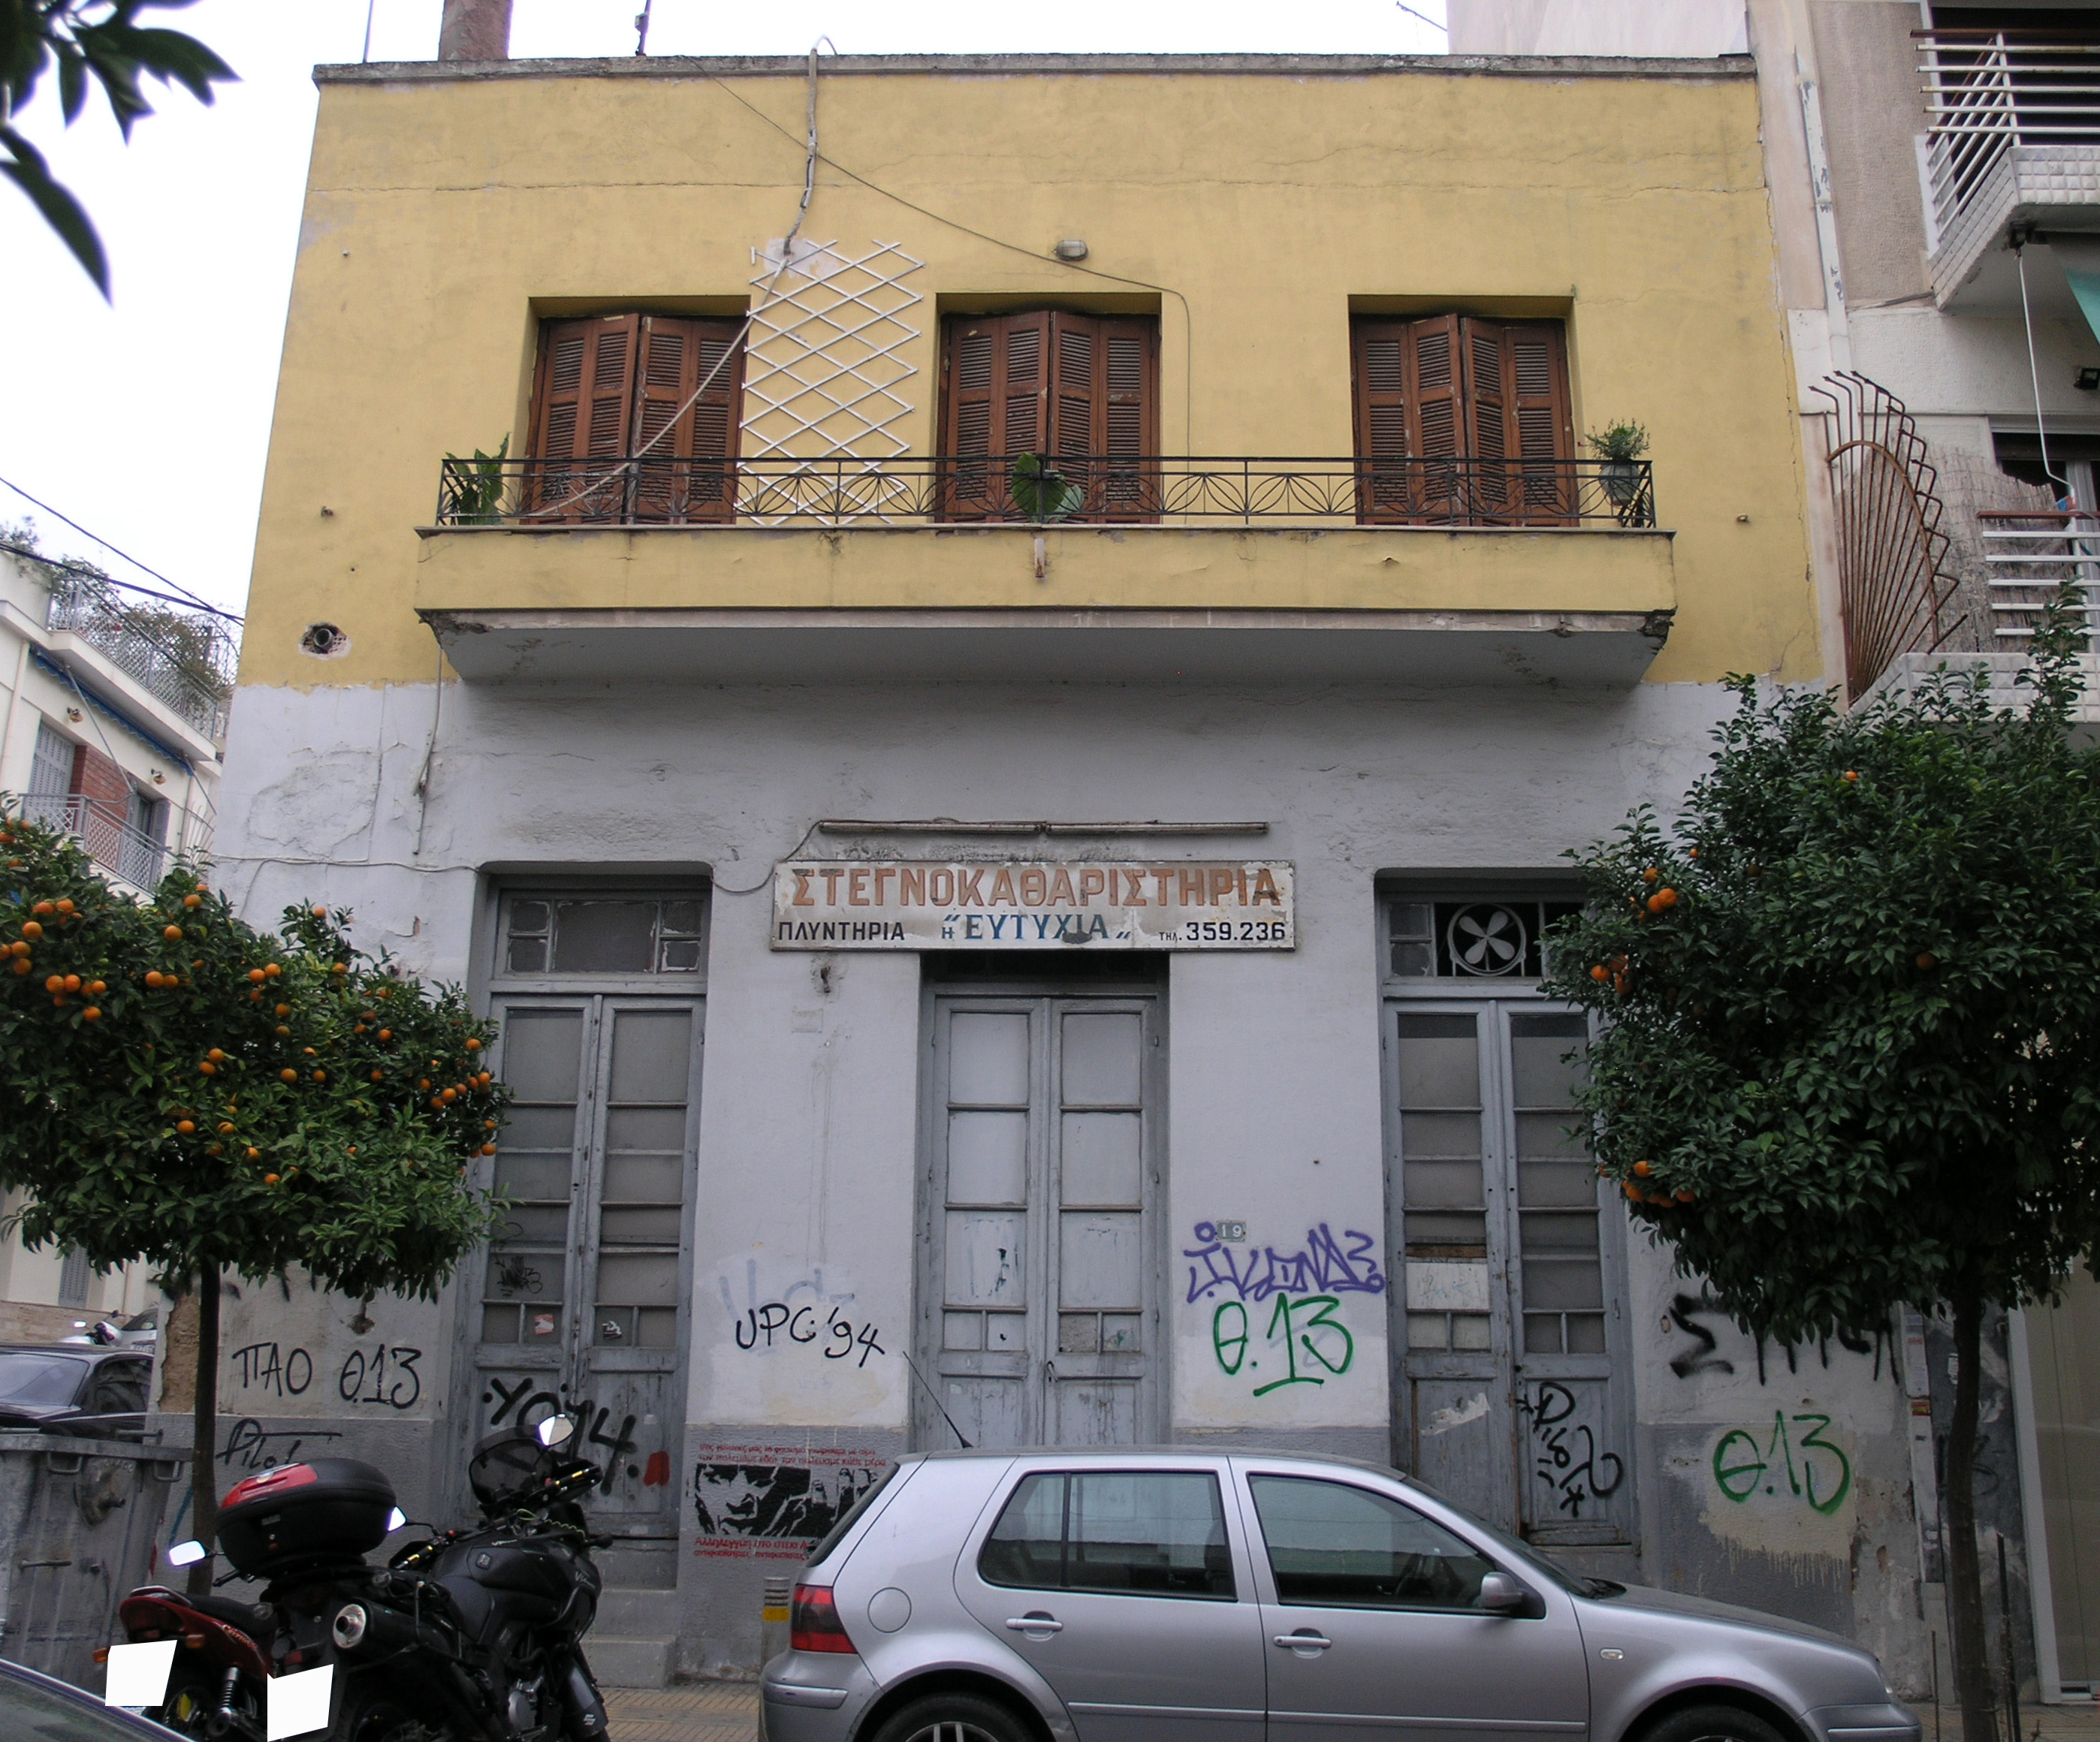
(387, 1377)
(517, 1402)
(757, 1327)
(261, 1367)
(1685, 1313)
(1565, 1457)
(251, 1449)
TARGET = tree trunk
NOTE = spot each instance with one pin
(204, 1487)
(1964, 1573)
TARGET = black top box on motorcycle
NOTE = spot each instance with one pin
(325, 1509)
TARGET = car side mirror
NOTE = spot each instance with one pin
(1501, 1595)
(557, 1430)
(187, 1554)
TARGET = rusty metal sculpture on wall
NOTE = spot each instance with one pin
(1893, 589)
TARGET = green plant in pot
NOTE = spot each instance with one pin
(1041, 493)
(478, 485)
(1619, 446)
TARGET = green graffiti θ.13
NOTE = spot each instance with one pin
(1739, 1469)
(1294, 1325)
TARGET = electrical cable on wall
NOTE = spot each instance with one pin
(1188, 316)
(188, 597)
(2034, 370)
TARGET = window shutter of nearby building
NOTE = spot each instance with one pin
(51, 767)
(682, 474)
(1078, 387)
(1491, 394)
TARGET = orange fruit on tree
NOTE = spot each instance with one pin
(56, 983)
(1928, 960)
(321, 1076)
(31, 930)
(386, 1033)
(192, 900)
(23, 964)
(45, 907)
(97, 987)
(473, 1045)
(1642, 1169)
(1650, 874)
(256, 975)
(216, 1055)
(209, 1069)
(284, 1010)
(287, 1075)
(186, 1126)
(273, 970)
(154, 977)
(93, 1013)
(173, 933)
(269, 1178)
(379, 1076)
(65, 906)
(320, 913)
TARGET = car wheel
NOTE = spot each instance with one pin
(953, 1717)
(1714, 1723)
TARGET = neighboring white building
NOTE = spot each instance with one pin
(1935, 182)
(111, 715)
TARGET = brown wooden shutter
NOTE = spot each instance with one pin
(682, 470)
(1490, 395)
(583, 411)
(996, 381)
(1104, 400)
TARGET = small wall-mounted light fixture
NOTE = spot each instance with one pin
(2088, 380)
(75, 715)
(160, 779)
(1070, 249)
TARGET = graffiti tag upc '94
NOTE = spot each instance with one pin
(1742, 1466)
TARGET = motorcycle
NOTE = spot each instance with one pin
(468, 1634)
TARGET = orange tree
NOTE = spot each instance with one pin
(1849, 1052)
(177, 1086)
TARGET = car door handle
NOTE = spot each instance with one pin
(1043, 1623)
(1302, 1642)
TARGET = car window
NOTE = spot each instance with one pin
(31, 1714)
(848, 1518)
(1336, 1545)
(1134, 1532)
(27, 1378)
(119, 1388)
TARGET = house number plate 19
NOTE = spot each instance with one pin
(1034, 905)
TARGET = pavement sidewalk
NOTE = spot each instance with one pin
(696, 1712)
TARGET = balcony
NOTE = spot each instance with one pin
(121, 850)
(183, 659)
(811, 569)
(2013, 144)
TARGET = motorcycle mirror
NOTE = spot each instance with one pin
(187, 1554)
(395, 1520)
(557, 1430)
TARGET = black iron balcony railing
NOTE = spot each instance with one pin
(1047, 489)
(1987, 91)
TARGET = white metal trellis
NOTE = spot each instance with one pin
(825, 377)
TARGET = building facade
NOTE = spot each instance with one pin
(112, 714)
(1935, 175)
(1000, 741)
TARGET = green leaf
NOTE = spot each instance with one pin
(61, 211)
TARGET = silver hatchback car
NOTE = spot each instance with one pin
(1188, 1596)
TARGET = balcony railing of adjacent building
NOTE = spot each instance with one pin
(183, 659)
(108, 838)
(1990, 91)
(1047, 489)
(2030, 558)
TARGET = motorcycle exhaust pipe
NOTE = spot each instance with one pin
(369, 1629)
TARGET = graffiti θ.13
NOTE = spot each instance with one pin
(1811, 1468)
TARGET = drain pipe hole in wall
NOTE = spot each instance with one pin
(324, 640)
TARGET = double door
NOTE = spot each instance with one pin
(583, 1302)
(1507, 1324)
(1039, 1319)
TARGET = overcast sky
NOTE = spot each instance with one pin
(146, 420)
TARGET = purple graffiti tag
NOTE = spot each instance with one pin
(1322, 1268)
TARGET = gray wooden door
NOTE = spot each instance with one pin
(583, 1300)
(1508, 1326)
(1039, 1319)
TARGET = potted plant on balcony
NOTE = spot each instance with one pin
(1041, 492)
(1619, 446)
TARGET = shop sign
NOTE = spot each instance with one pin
(1034, 905)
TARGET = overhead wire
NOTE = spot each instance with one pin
(188, 597)
(1188, 316)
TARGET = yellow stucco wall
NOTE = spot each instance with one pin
(445, 214)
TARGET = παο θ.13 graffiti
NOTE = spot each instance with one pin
(1812, 1470)
(1304, 1332)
